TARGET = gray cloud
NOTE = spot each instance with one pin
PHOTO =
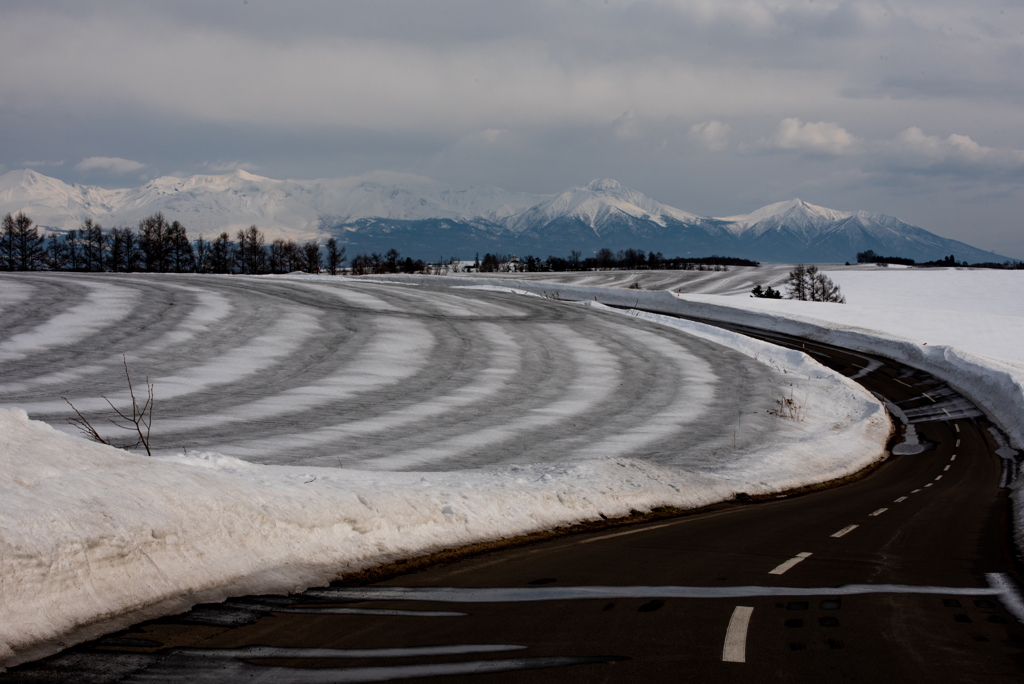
(823, 137)
(115, 165)
(667, 96)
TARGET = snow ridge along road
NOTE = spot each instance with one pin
(363, 423)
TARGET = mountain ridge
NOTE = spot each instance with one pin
(423, 218)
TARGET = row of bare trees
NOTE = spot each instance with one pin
(157, 246)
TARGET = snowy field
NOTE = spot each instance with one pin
(975, 310)
(309, 426)
(962, 325)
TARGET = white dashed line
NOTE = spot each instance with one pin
(957, 427)
(938, 477)
(879, 512)
(735, 648)
(953, 457)
(901, 382)
(845, 530)
(623, 534)
(929, 484)
(790, 563)
(946, 412)
(945, 469)
(915, 491)
(958, 441)
(900, 500)
(925, 395)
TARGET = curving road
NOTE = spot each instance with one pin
(339, 372)
(906, 575)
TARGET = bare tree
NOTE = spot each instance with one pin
(807, 283)
(55, 252)
(202, 255)
(73, 250)
(251, 255)
(180, 249)
(141, 418)
(154, 240)
(796, 283)
(221, 254)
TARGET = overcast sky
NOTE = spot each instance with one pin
(718, 107)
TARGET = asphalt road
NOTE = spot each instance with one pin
(899, 576)
(336, 372)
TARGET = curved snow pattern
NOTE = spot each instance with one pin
(343, 373)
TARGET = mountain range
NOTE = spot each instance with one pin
(425, 219)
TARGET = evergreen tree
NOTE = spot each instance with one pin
(115, 259)
(7, 244)
(28, 244)
(311, 254)
(335, 258)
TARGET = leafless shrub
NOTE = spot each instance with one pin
(140, 421)
(786, 407)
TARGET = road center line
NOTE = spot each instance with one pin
(656, 527)
(938, 477)
(925, 395)
(958, 441)
(790, 563)
(929, 484)
(735, 648)
(879, 512)
(901, 499)
(957, 427)
(953, 457)
(945, 469)
(623, 534)
(915, 491)
(845, 530)
(901, 382)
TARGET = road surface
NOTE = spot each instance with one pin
(907, 574)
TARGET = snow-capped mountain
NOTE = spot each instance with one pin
(598, 204)
(423, 218)
(795, 216)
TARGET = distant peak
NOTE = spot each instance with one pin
(793, 207)
(603, 184)
(245, 175)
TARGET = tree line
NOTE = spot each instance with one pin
(158, 246)
(605, 259)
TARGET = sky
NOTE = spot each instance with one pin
(717, 107)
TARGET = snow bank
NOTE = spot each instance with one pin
(995, 385)
(93, 538)
(970, 317)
